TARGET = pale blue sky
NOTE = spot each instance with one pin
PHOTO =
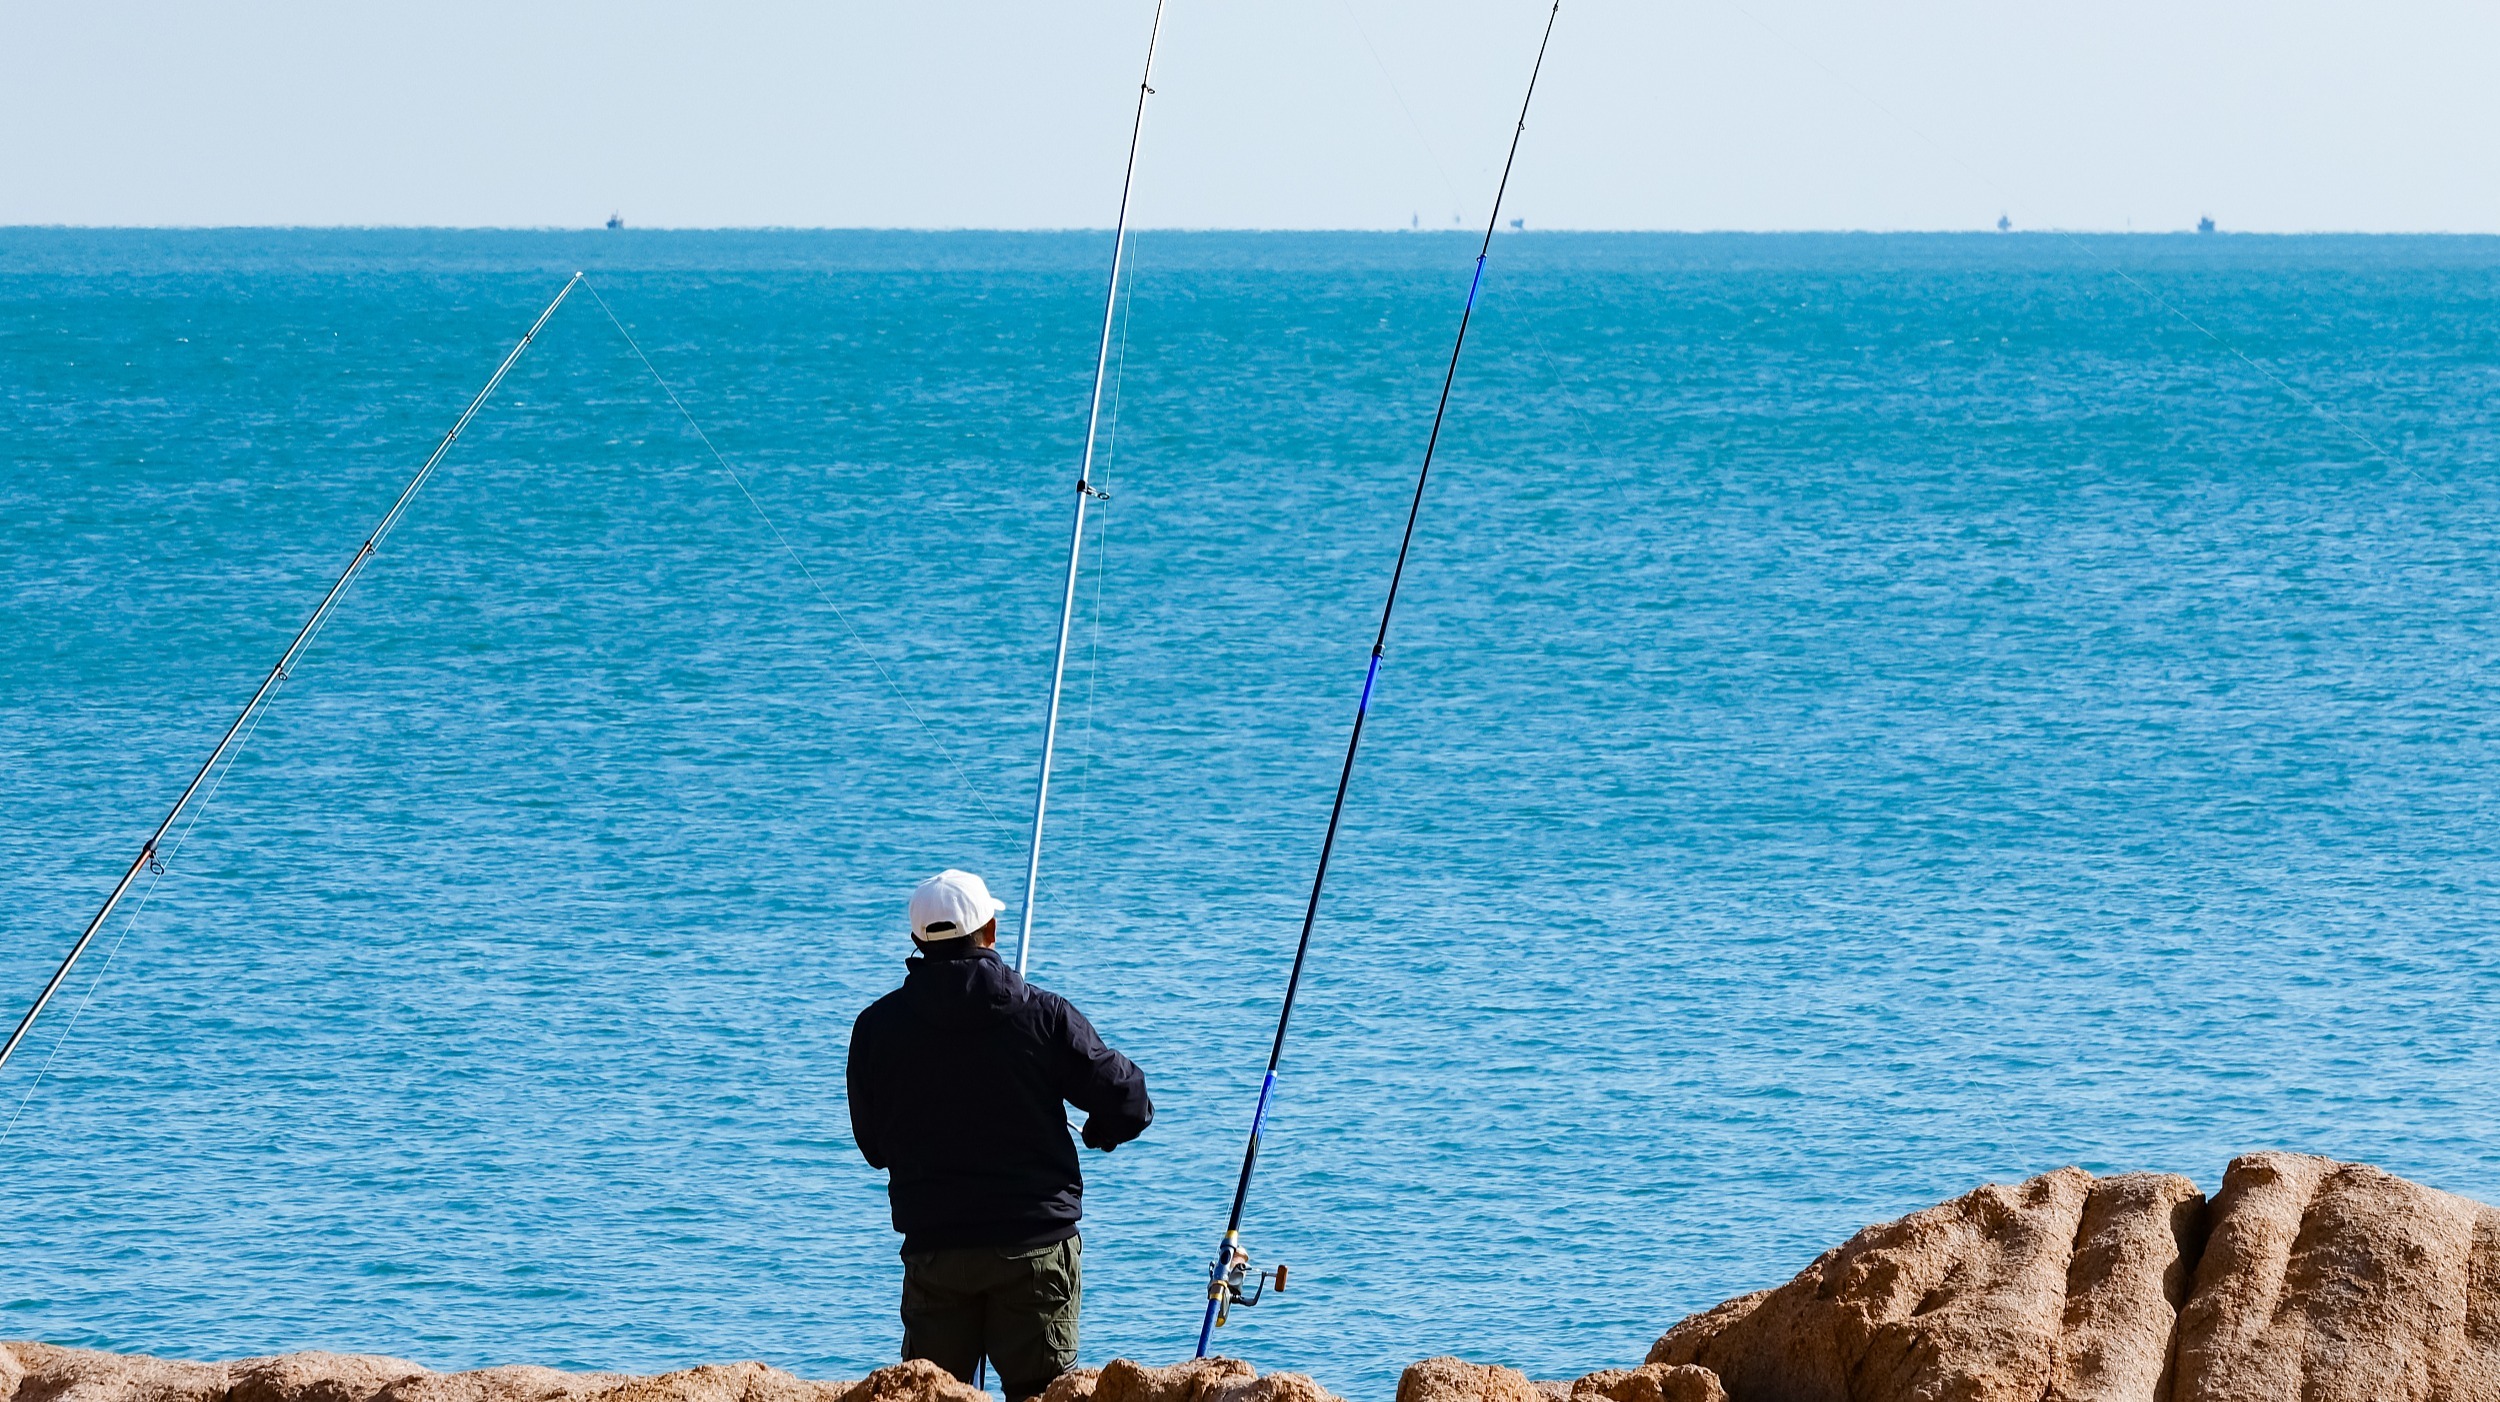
(1657, 114)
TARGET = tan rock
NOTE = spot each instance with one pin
(2223, 1350)
(712, 1382)
(1198, 1380)
(86, 1375)
(1963, 1302)
(2303, 1279)
(897, 1383)
(41, 1373)
(1277, 1387)
(1201, 1380)
(1075, 1385)
(516, 1382)
(1685, 1383)
(1696, 1331)
(2310, 1279)
(327, 1377)
(1456, 1380)
(914, 1380)
(317, 1377)
(1651, 1382)
(2135, 1256)
(2336, 1282)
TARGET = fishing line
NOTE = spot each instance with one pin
(131, 923)
(1093, 667)
(2297, 394)
(809, 575)
(1447, 184)
(1102, 567)
(1085, 492)
(1553, 368)
(149, 851)
(1093, 671)
(1562, 384)
(1225, 1275)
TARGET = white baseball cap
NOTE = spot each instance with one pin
(950, 905)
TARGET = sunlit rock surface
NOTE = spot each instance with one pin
(44, 1373)
(2303, 1278)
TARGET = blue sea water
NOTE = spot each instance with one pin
(1869, 715)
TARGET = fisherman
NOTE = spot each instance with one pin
(957, 1080)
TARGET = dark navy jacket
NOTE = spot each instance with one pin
(957, 1080)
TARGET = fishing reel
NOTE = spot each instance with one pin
(1226, 1281)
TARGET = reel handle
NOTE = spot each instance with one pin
(1225, 1287)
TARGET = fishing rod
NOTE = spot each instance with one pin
(1226, 1276)
(148, 858)
(1085, 492)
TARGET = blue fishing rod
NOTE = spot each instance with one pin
(1227, 1275)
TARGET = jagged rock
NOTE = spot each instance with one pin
(2336, 1282)
(316, 1377)
(1198, 1380)
(2303, 1279)
(913, 1380)
(1456, 1380)
(1651, 1382)
(54, 1374)
(513, 1382)
(1279, 1387)
(2051, 1290)
(1201, 1380)
(1074, 1385)
(747, 1382)
(42, 1373)
(2135, 1252)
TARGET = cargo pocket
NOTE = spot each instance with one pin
(1059, 1298)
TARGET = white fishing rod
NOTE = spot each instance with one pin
(148, 858)
(1085, 492)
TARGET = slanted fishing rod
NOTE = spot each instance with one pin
(149, 858)
(1232, 1264)
(1085, 492)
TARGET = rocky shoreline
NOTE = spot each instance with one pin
(2302, 1278)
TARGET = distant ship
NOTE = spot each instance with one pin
(2005, 223)
(617, 221)
(2205, 225)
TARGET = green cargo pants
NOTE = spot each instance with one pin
(1017, 1307)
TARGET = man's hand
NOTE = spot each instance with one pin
(1094, 1140)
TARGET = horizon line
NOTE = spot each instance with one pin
(1050, 229)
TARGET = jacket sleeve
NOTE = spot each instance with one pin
(860, 1075)
(1107, 1086)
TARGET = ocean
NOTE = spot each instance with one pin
(1868, 715)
